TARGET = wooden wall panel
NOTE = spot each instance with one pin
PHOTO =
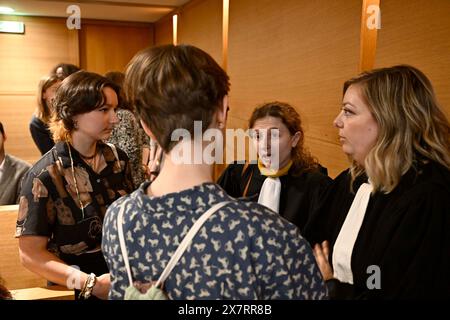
(24, 59)
(369, 32)
(297, 51)
(417, 32)
(200, 24)
(15, 114)
(110, 46)
(164, 31)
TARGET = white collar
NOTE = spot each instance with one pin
(345, 242)
(269, 195)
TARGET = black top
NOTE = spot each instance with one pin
(406, 233)
(41, 135)
(49, 203)
(298, 196)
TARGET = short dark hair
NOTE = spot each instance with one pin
(67, 69)
(79, 93)
(2, 131)
(173, 86)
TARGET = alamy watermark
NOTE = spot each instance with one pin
(74, 20)
(374, 20)
(374, 280)
(241, 145)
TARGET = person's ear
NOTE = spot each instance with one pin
(295, 139)
(147, 130)
(222, 113)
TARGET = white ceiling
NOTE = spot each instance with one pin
(121, 10)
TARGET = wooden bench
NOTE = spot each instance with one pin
(23, 283)
(39, 293)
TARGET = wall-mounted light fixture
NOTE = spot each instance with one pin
(12, 27)
(225, 22)
(6, 10)
(175, 28)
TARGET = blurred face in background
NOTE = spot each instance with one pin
(60, 72)
(49, 94)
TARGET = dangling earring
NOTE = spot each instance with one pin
(75, 125)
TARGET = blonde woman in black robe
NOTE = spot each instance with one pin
(383, 229)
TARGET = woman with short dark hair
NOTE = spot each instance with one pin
(65, 194)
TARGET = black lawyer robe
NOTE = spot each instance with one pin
(406, 233)
(298, 196)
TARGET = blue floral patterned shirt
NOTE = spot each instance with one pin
(243, 251)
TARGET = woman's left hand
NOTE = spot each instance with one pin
(321, 253)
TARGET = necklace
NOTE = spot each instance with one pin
(92, 161)
(90, 157)
(75, 181)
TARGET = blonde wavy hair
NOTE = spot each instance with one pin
(412, 127)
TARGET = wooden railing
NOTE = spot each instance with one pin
(23, 284)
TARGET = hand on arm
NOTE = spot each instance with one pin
(321, 253)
